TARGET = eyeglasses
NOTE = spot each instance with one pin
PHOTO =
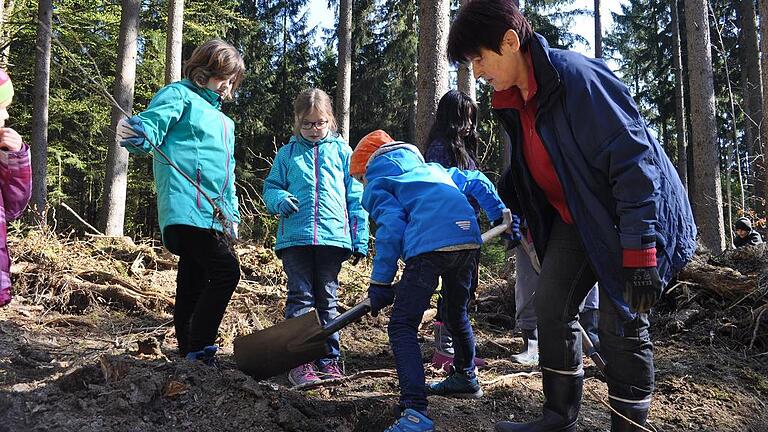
(320, 124)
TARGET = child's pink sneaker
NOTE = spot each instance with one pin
(303, 374)
(443, 361)
(330, 370)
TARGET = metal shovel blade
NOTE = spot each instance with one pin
(268, 352)
(290, 343)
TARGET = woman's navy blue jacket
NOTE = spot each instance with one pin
(621, 188)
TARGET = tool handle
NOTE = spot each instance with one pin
(590, 348)
(500, 228)
(341, 321)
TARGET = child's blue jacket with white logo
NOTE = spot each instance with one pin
(420, 207)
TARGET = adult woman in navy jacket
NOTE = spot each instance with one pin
(602, 200)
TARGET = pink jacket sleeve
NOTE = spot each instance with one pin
(15, 181)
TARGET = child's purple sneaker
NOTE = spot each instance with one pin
(303, 374)
(330, 370)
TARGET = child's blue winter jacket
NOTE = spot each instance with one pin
(317, 175)
(420, 207)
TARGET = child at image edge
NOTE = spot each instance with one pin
(423, 216)
(15, 182)
(322, 221)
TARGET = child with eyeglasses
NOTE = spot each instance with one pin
(322, 221)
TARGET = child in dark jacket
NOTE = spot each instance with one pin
(745, 235)
(452, 142)
(423, 216)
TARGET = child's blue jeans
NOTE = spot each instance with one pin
(412, 296)
(313, 278)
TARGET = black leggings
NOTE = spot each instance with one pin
(208, 275)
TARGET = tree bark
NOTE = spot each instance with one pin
(174, 40)
(39, 144)
(344, 74)
(7, 12)
(465, 78)
(680, 126)
(432, 80)
(708, 193)
(751, 85)
(598, 31)
(116, 177)
(761, 163)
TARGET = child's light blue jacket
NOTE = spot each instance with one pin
(420, 207)
(330, 212)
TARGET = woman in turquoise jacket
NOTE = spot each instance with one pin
(196, 201)
(322, 220)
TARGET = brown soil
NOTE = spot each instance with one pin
(78, 354)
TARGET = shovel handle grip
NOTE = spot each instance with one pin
(353, 314)
(499, 229)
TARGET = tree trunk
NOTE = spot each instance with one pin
(598, 31)
(344, 74)
(761, 163)
(707, 194)
(116, 177)
(465, 78)
(39, 145)
(682, 139)
(432, 80)
(7, 12)
(173, 41)
(751, 85)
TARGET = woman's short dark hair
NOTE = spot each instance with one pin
(482, 24)
(215, 59)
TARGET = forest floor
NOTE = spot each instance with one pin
(88, 345)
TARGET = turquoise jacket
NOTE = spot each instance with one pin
(186, 123)
(317, 175)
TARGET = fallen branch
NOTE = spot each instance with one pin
(510, 376)
(119, 294)
(723, 281)
(375, 373)
(607, 405)
(82, 221)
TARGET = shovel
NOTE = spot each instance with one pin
(303, 339)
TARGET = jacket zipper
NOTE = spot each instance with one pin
(198, 187)
(317, 193)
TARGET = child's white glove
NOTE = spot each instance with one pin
(124, 131)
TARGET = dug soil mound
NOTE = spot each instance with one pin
(88, 345)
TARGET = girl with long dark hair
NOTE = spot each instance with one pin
(453, 142)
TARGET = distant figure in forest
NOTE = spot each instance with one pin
(601, 198)
(15, 182)
(423, 217)
(185, 122)
(322, 222)
(452, 142)
(745, 235)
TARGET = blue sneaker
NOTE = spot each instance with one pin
(412, 421)
(456, 385)
(207, 355)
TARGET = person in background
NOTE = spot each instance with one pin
(16, 183)
(322, 221)
(602, 201)
(526, 280)
(185, 122)
(423, 216)
(452, 142)
(745, 235)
